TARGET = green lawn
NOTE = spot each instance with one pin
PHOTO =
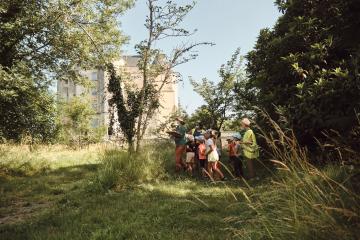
(53, 193)
(55, 203)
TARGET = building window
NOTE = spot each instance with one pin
(95, 123)
(94, 76)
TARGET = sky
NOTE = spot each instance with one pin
(227, 23)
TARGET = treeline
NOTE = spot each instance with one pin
(304, 73)
(45, 41)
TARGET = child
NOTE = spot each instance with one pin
(202, 154)
(213, 156)
(237, 150)
(190, 155)
(231, 150)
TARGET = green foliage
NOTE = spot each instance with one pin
(307, 67)
(127, 108)
(303, 201)
(219, 97)
(201, 117)
(74, 127)
(156, 68)
(52, 38)
(120, 169)
(44, 41)
(25, 109)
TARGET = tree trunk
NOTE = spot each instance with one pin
(131, 148)
(144, 69)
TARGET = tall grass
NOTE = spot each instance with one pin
(26, 160)
(120, 169)
(302, 201)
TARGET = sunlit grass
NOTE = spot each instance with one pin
(51, 192)
(29, 160)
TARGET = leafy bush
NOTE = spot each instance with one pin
(120, 168)
(307, 67)
(302, 201)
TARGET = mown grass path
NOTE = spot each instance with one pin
(56, 205)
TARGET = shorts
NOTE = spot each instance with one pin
(213, 156)
(190, 157)
(202, 163)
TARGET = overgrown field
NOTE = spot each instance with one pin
(50, 192)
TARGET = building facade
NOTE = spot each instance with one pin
(127, 67)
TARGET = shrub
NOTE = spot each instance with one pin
(120, 168)
(302, 201)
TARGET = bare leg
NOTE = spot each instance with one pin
(179, 150)
(218, 171)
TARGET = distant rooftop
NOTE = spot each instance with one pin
(131, 60)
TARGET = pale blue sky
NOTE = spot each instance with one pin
(227, 23)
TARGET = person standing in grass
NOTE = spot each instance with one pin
(234, 150)
(238, 167)
(190, 154)
(212, 156)
(249, 146)
(180, 142)
(202, 154)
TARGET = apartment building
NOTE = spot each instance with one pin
(127, 66)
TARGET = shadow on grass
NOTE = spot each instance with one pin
(179, 208)
(165, 210)
(23, 197)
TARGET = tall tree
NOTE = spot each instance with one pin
(49, 40)
(162, 22)
(75, 117)
(219, 97)
(157, 67)
(307, 67)
(124, 106)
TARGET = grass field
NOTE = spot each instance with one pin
(53, 193)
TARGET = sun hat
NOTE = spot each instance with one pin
(245, 121)
(237, 136)
(180, 119)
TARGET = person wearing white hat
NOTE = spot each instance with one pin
(249, 145)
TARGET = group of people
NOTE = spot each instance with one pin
(203, 150)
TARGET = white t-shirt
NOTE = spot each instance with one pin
(209, 143)
(213, 156)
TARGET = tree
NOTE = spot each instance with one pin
(307, 67)
(156, 67)
(126, 107)
(219, 97)
(47, 40)
(25, 110)
(201, 117)
(75, 117)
